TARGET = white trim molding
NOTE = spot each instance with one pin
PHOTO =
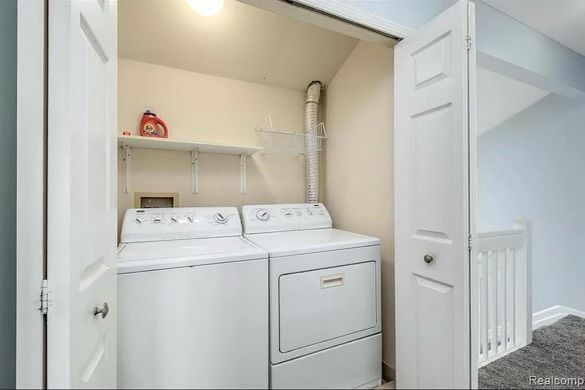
(552, 314)
(356, 15)
(30, 187)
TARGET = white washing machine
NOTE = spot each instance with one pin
(192, 301)
(325, 320)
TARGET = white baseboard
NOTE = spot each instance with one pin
(553, 314)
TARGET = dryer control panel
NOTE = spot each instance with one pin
(177, 223)
(285, 217)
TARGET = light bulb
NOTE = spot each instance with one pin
(206, 7)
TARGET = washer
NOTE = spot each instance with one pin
(192, 301)
(325, 318)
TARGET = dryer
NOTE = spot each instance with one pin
(325, 317)
(192, 301)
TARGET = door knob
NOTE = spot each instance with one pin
(103, 310)
(428, 259)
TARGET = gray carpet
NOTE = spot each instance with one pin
(557, 350)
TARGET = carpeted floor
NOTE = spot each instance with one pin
(557, 351)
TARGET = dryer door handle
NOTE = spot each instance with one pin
(329, 281)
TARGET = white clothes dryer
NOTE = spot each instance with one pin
(325, 318)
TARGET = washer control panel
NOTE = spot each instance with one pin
(180, 223)
(285, 217)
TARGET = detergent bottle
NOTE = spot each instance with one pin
(153, 126)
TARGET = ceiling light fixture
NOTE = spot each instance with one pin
(206, 7)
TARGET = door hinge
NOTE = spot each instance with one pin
(468, 42)
(44, 297)
(469, 243)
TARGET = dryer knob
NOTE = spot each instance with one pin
(263, 215)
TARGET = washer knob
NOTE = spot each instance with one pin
(220, 218)
(263, 214)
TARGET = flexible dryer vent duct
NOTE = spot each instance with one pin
(311, 118)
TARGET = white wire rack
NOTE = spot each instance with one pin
(276, 141)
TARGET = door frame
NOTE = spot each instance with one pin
(355, 15)
(473, 270)
(31, 186)
(31, 193)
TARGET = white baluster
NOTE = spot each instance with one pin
(494, 300)
(505, 300)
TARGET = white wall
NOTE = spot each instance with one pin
(358, 182)
(503, 43)
(208, 108)
(506, 45)
(531, 166)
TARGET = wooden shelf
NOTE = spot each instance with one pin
(184, 145)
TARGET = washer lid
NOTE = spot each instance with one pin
(310, 241)
(146, 256)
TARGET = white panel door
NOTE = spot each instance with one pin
(432, 203)
(81, 181)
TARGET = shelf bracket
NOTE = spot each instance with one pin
(126, 158)
(243, 163)
(195, 170)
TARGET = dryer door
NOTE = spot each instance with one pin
(321, 300)
(325, 304)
